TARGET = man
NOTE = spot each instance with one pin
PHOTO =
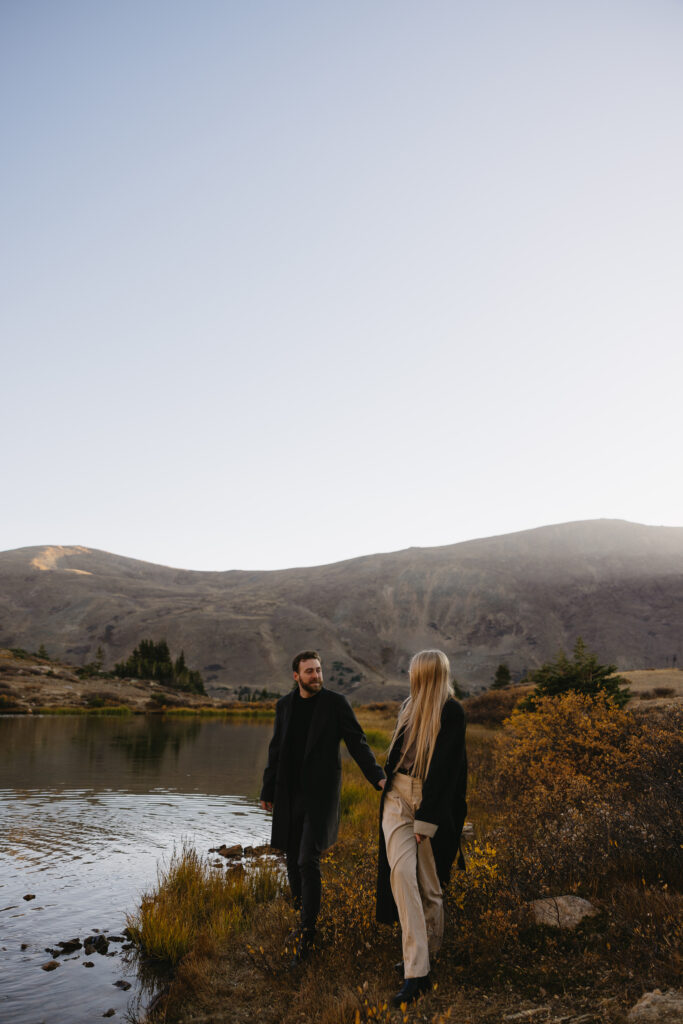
(302, 782)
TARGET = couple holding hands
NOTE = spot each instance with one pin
(422, 807)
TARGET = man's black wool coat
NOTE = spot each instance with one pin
(443, 803)
(332, 721)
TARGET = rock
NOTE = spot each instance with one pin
(116, 938)
(562, 911)
(264, 848)
(70, 945)
(88, 963)
(24, 946)
(95, 944)
(123, 985)
(30, 896)
(248, 851)
(109, 1013)
(658, 1007)
(228, 851)
(50, 965)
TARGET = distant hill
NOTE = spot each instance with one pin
(513, 598)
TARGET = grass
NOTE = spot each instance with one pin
(555, 810)
(195, 904)
(120, 709)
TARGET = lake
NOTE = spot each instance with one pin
(89, 807)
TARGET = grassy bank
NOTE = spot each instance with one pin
(579, 799)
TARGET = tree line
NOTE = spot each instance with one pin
(152, 660)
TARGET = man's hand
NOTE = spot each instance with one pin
(419, 837)
(266, 805)
(382, 783)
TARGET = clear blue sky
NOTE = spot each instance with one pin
(289, 283)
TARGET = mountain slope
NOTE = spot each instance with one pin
(513, 598)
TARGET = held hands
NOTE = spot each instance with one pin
(419, 838)
(266, 805)
(382, 783)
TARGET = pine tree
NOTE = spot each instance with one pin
(582, 673)
(502, 677)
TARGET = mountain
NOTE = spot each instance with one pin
(515, 598)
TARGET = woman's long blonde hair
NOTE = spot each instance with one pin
(420, 714)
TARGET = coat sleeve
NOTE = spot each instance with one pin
(357, 744)
(445, 764)
(270, 773)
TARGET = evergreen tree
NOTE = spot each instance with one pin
(42, 652)
(152, 660)
(502, 677)
(582, 673)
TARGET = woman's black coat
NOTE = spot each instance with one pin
(333, 720)
(443, 803)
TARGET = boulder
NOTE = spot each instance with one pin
(228, 851)
(95, 944)
(658, 1007)
(70, 945)
(50, 965)
(562, 911)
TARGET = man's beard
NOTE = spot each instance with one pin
(311, 687)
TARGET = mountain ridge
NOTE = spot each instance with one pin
(511, 597)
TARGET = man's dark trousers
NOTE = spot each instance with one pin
(303, 863)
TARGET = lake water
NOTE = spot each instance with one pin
(89, 807)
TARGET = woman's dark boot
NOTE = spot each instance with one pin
(410, 990)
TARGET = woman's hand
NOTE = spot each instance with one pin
(419, 837)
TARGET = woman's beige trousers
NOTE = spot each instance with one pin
(414, 881)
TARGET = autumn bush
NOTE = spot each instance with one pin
(589, 792)
(492, 707)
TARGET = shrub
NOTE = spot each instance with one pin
(494, 706)
(590, 791)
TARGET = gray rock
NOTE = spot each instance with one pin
(70, 945)
(658, 1007)
(95, 944)
(562, 911)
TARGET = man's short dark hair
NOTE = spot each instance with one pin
(304, 656)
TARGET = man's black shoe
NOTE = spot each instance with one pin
(303, 944)
(410, 990)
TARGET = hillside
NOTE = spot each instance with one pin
(513, 598)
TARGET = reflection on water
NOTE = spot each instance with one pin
(88, 808)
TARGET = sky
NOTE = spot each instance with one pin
(284, 284)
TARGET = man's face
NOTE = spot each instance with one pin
(309, 677)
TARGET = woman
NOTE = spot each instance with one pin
(422, 812)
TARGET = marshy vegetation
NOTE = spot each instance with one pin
(580, 797)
